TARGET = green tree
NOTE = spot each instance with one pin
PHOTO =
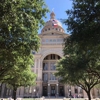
(77, 66)
(84, 22)
(84, 43)
(18, 77)
(19, 23)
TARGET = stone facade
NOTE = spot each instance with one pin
(51, 50)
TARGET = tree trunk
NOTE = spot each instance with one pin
(88, 94)
(14, 93)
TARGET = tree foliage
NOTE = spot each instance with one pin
(81, 65)
(77, 68)
(84, 22)
(19, 23)
(18, 77)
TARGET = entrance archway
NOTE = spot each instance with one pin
(50, 82)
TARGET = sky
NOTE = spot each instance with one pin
(59, 7)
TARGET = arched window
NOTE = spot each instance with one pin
(52, 57)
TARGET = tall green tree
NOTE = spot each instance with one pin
(19, 23)
(75, 68)
(81, 51)
(18, 77)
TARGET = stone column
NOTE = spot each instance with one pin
(35, 65)
(40, 89)
(48, 66)
(66, 90)
(57, 90)
(49, 78)
(48, 89)
(72, 90)
(39, 71)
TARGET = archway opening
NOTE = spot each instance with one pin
(50, 81)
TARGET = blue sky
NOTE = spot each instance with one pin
(59, 7)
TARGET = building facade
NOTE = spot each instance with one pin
(51, 50)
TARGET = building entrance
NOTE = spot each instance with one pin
(45, 91)
(53, 90)
(61, 91)
(48, 76)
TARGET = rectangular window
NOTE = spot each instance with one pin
(46, 40)
(50, 40)
(52, 76)
(53, 67)
(53, 56)
(57, 40)
(45, 76)
(45, 66)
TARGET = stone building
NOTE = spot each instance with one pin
(51, 50)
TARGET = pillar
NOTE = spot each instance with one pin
(72, 90)
(57, 90)
(48, 89)
(39, 70)
(66, 90)
(35, 65)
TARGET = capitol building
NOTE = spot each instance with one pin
(51, 50)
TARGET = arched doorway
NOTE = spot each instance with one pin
(50, 82)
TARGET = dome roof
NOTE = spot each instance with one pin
(52, 23)
(53, 20)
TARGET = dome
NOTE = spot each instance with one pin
(52, 23)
